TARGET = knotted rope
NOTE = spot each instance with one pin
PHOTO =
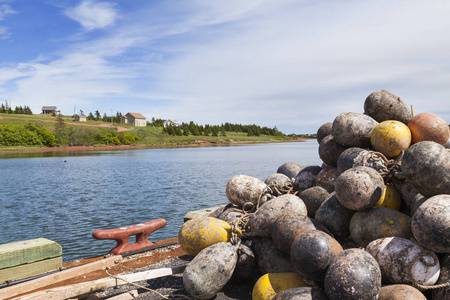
(391, 167)
(278, 189)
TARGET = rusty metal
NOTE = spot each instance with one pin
(122, 236)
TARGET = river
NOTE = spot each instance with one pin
(64, 197)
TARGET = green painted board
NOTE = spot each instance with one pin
(29, 270)
(200, 213)
(29, 251)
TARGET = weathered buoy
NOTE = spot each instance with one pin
(261, 221)
(390, 198)
(431, 224)
(329, 150)
(312, 252)
(335, 217)
(354, 274)
(403, 261)
(313, 199)
(270, 284)
(383, 105)
(371, 224)
(400, 292)
(426, 166)
(302, 293)
(391, 138)
(306, 177)
(277, 178)
(327, 177)
(198, 234)
(290, 169)
(231, 214)
(243, 189)
(359, 188)
(323, 131)
(353, 129)
(287, 227)
(429, 127)
(269, 259)
(210, 270)
(357, 157)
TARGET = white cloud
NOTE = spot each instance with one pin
(93, 15)
(5, 10)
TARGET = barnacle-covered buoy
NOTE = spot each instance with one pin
(431, 224)
(354, 274)
(379, 222)
(359, 188)
(312, 252)
(403, 261)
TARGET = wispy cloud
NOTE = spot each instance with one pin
(5, 10)
(93, 15)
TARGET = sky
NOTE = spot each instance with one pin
(290, 64)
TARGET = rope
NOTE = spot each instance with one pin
(281, 188)
(391, 167)
(135, 284)
(175, 296)
(431, 287)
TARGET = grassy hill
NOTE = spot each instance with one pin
(95, 133)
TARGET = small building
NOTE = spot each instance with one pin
(48, 110)
(80, 118)
(135, 119)
(173, 123)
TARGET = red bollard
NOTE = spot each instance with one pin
(122, 236)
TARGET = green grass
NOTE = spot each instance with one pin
(149, 135)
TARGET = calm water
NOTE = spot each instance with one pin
(66, 198)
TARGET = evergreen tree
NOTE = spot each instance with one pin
(178, 131)
(2, 108)
(27, 110)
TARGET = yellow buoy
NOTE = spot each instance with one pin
(390, 138)
(391, 198)
(198, 234)
(270, 284)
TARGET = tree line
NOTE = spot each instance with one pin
(192, 128)
(6, 109)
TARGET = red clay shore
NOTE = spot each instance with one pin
(197, 143)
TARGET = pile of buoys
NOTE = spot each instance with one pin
(372, 222)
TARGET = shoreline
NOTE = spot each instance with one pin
(198, 143)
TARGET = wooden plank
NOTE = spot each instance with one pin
(74, 290)
(126, 296)
(195, 214)
(25, 252)
(30, 270)
(25, 287)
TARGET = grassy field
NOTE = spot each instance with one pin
(152, 136)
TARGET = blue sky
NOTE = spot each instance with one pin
(290, 64)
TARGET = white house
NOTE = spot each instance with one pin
(80, 118)
(167, 123)
(135, 119)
